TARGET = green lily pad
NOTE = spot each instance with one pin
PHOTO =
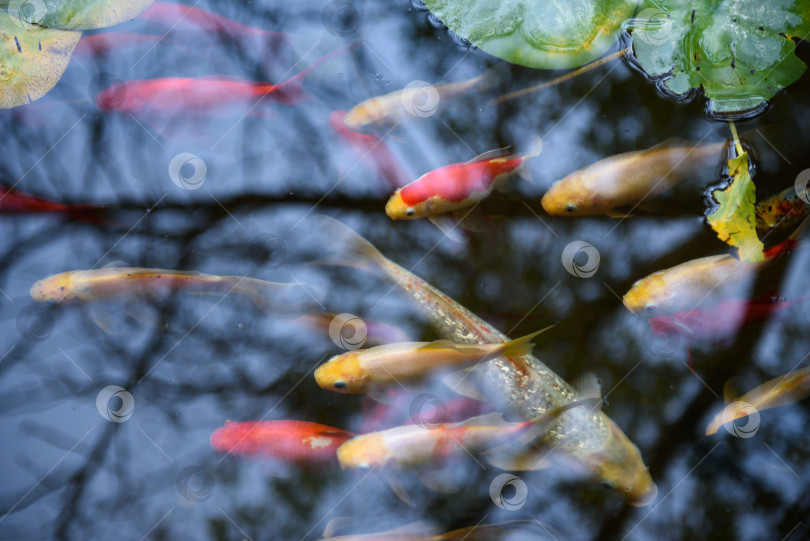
(549, 34)
(741, 52)
(32, 60)
(74, 14)
(735, 220)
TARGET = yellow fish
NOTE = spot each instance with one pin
(365, 369)
(629, 178)
(780, 391)
(420, 100)
(110, 283)
(523, 386)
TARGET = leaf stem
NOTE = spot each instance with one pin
(737, 144)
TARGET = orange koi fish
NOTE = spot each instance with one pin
(780, 391)
(362, 370)
(783, 211)
(298, 442)
(109, 283)
(16, 202)
(457, 186)
(216, 94)
(372, 149)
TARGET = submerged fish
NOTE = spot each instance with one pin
(629, 178)
(424, 532)
(781, 211)
(298, 442)
(780, 391)
(688, 285)
(14, 201)
(215, 94)
(109, 283)
(457, 186)
(362, 370)
(524, 387)
(414, 99)
(369, 148)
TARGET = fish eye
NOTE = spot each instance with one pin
(607, 485)
(570, 207)
(410, 212)
(340, 385)
(650, 308)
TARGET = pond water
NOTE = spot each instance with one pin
(247, 204)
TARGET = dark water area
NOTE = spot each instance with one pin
(248, 204)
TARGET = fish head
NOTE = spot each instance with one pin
(59, 288)
(397, 209)
(363, 452)
(364, 115)
(618, 466)
(343, 374)
(569, 197)
(649, 296)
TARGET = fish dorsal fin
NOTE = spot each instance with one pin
(439, 344)
(491, 154)
(589, 386)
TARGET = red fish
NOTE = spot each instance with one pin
(296, 442)
(368, 147)
(724, 320)
(16, 202)
(216, 94)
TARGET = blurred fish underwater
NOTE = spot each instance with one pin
(224, 318)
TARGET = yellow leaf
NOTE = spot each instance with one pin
(735, 220)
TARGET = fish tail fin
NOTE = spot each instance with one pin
(522, 346)
(535, 149)
(278, 298)
(355, 251)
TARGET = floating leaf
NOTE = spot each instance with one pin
(537, 33)
(32, 60)
(74, 14)
(735, 220)
(740, 52)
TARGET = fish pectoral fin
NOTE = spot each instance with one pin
(491, 154)
(336, 524)
(617, 215)
(380, 396)
(589, 386)
(398, 489)
(436, 482)
(459, 383)
(448, 226)
(471, 220)
(506, 457)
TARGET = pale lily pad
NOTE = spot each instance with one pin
(549, 34)
(32, 60)
(74, 14)
(740, 52)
